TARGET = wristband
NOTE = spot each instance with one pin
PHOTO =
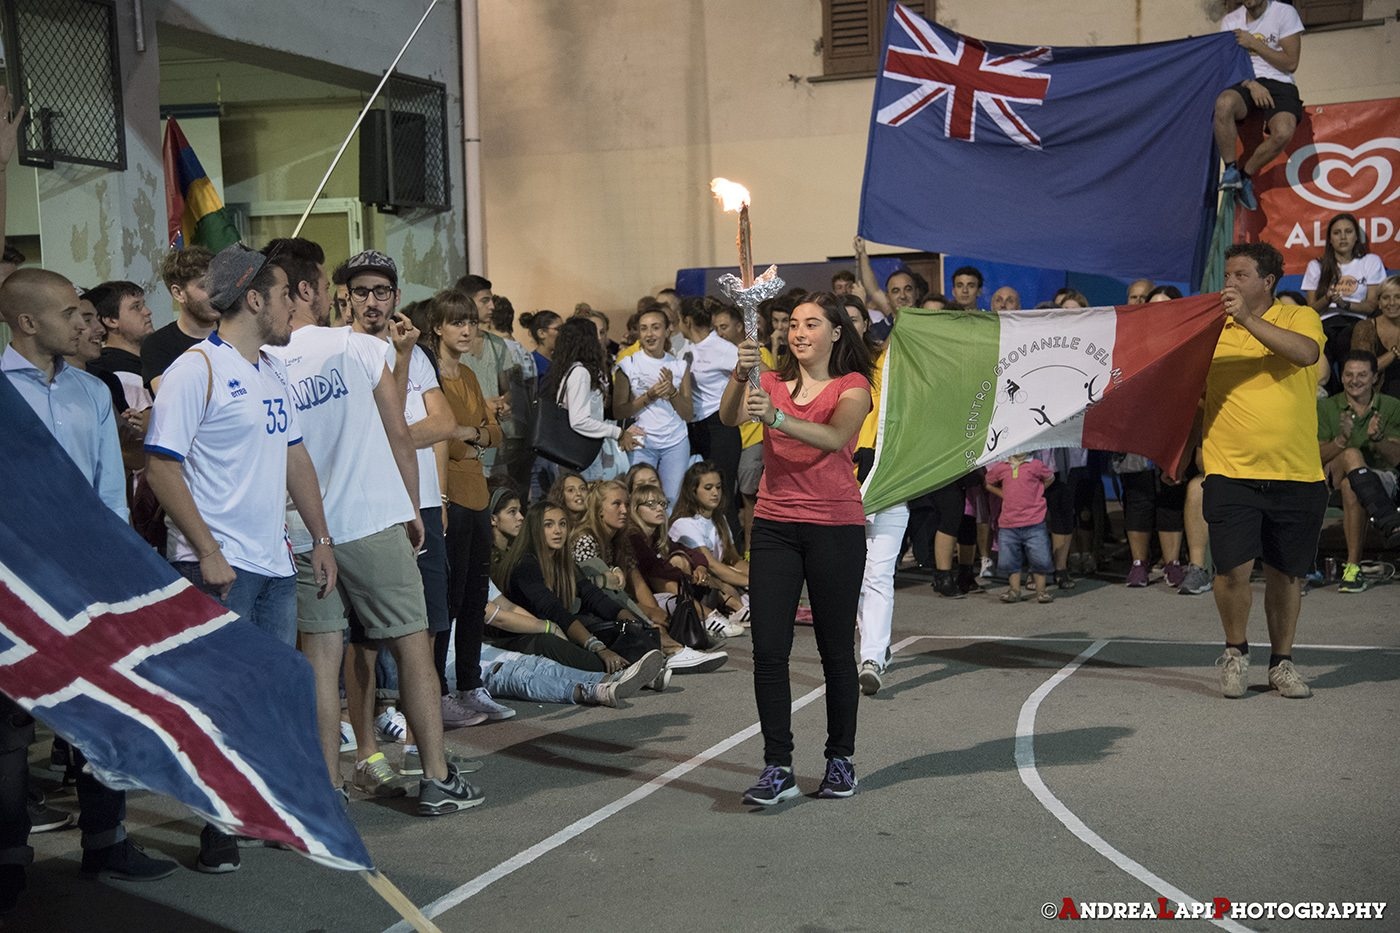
(594, 644)
(778, 419)
(495, 611)
(739, 378)
(548, 626)
(217, 547)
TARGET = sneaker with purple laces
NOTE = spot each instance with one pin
(840, 779)
(775, 785)
(1137, 574)
(457, 716)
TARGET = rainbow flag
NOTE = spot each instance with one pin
(193, 210)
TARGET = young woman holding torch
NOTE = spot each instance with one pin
(809, 527)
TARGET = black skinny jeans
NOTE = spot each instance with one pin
(469, 570)
(830, 559)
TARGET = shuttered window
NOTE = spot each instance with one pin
(1328, 12)
(852, 34)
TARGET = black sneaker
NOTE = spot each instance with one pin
(125, 861)
(1063, 580)
(840, 779)
(967, 582)
(775, 785)
(945, 585)
(45, 819)
(218, 852)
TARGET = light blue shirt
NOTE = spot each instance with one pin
(77, 409)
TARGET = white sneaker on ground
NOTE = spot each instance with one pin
(690, 661)
(717, 623)
(481, 701)
(347, 737)
(389, 726)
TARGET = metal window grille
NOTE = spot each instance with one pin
(412, 127)
(63, 56)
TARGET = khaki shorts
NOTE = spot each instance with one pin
(378, 576)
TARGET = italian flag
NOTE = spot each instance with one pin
(960, 390)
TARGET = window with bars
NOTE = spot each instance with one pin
(65, 68)
(853, 32)
(403, 147)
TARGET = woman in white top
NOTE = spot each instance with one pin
(1345, 280)
(652, 386)
(1343, 287)
(576, 377)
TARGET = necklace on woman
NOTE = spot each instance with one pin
(810, 390)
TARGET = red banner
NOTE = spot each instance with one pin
(1344, 158)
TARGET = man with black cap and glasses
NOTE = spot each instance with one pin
(223, 451)
(351, 411)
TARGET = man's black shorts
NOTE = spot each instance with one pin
(1285, 95)
(1278, 520)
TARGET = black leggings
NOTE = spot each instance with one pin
(469, 569)
(830, 559)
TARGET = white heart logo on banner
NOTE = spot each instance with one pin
(1332, 157)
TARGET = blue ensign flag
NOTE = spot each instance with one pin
(160, 686)
(1086, 159)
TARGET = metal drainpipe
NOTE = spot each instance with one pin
(471, 140)
(139, 15)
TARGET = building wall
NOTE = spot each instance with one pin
(603, 122)
(97, 224)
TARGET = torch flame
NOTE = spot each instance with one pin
(732, 195)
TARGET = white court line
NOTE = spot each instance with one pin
(1025, 765)
(476, 885)
(1132, 641)
(577, 828)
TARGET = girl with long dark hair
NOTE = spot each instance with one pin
(577, 378)
(809, 528)
(1345, 279)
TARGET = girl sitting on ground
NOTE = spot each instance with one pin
(539, 575)
(698, 522)
(667, 565)
(603, 552)
(506, 519)
(569, 492)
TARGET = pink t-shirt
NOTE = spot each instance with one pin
(1023, 492)
(801, 483)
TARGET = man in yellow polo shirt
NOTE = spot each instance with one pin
(1264, 489)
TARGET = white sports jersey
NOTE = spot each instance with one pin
(234, 451)
(333, 372)
(421, 378)
(664, 428)
(1279, 21)
(715, 359)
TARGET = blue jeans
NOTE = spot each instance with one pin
(1033, 540)
(532, 676)
(670, 463)
(270, 603)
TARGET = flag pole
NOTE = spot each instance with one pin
(399, 901)
(360, 119)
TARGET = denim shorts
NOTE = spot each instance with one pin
(1033, 540)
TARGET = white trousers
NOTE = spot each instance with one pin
(884, 533)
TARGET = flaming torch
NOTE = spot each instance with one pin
(744, 290)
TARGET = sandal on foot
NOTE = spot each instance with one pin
(1045, 597)
(1011, 596)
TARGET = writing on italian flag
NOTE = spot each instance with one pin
(961, 389)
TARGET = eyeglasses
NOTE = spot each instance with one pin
(653, 503)
(360, 294)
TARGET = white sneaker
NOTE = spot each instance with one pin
(717, 623)
(740, 616)
(481, 701)
(690, 661)
(347, 737)
(985, 571)
(389, 726)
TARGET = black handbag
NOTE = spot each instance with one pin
(685, 624)
(554, 438)
(629, 638)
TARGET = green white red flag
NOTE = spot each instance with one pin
(964, 389)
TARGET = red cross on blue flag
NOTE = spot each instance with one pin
(159, 685)
(1087, 159)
